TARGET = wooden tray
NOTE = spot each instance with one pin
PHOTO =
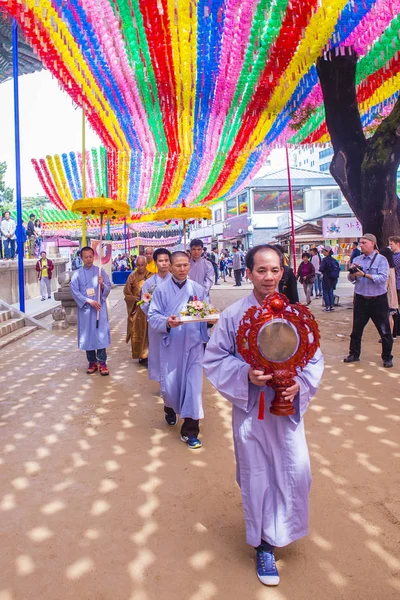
(213, 317)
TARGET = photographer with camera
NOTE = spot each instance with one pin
(369, 272)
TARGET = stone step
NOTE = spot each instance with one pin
(5, 315)
(11, 325)
(16, 335)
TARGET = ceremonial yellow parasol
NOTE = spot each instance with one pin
(182, 213)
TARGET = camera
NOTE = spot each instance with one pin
(354, 270)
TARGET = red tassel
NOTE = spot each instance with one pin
(261, 408)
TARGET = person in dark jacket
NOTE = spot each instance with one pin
(355, 251)
(288, 283)
(328, 283)
(30, 234)
(306, 275)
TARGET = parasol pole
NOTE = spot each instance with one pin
(184, 235)
(291, 211)
(21, 283)
(84, 241)
(101, 262)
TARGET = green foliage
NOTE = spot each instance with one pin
(34, 203)
(6, 193)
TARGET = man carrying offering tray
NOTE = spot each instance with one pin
(273, 466)
(181, 351)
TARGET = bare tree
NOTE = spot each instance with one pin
(365, 169)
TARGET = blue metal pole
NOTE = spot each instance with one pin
(18, 170)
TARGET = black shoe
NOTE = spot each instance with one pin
(351, 358)
(388, 364)
(143, 361)
(171, 420)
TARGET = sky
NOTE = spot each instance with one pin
(49, 124)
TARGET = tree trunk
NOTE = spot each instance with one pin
(365, 170)
(381, 210)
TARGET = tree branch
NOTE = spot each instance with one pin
(337, 75)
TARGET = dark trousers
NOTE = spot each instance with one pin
(238, 276)
(9, 248)
(329, 296)
(101, 355)
(376, 309)
(190, 427)
(215, 272)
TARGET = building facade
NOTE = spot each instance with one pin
(257, 214)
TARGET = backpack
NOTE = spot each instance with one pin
(333, 269)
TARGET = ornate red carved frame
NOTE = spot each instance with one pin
(276, 306)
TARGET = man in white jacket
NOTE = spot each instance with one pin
(8, 227)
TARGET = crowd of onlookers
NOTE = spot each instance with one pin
(31, 237)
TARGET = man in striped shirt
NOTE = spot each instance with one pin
(394, 243)
(369, 272)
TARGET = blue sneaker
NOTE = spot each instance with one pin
(171, 420)
(267, 572)
(191, 442)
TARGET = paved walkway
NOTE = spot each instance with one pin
(100, 501)
(35, 306)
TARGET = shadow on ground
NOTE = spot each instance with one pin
(100, 501)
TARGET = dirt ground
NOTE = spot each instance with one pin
(100, 501)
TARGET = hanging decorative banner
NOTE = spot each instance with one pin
(189, 98)
(342, 227)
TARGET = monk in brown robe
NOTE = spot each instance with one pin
(137, 321)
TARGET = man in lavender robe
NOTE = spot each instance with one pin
(273, 466)
(84, 287)
(162, 258)
(181, 349)
(201, 270)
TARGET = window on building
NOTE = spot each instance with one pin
(231, 208)
(325, 153)
(330, 199)
(243, 204)
(300, 163)
(218, 215)
(266, 201)
(324, 166)
(312, 150)
(312, 163)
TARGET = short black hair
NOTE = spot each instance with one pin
(197, 243)
(355, 243)
(86, 248)
(178, 254)
(253, 251)
(160, 252)
(32, 215)
(305, 254)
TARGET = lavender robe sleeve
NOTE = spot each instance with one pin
(209, 276)
(79, 298)
(228, 373)
(107, 286)
(156, 315)
(308, 379)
